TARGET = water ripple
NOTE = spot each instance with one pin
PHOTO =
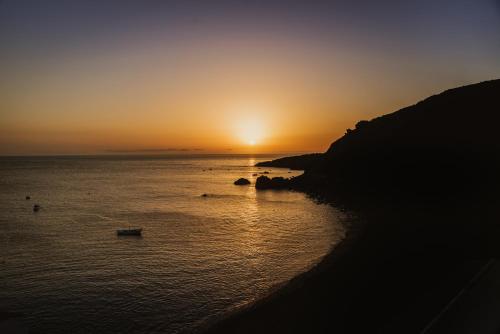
(65, 269)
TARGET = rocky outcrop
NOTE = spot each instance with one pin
(241, 182)
(264, 182)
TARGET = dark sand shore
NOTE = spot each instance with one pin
(394, 272)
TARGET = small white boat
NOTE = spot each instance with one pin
(129, 231)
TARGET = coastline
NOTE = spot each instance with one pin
(326, 263)
(382, 277)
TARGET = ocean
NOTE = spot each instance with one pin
(64, 269)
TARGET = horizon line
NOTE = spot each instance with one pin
(152, 154)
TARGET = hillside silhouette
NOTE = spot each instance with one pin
(447, 143)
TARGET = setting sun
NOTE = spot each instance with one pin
(250, 131)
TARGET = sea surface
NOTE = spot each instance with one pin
(66, 271)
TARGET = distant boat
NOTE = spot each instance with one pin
(36, 207)
(129, 231)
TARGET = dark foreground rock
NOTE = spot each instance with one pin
(241, 182)
(264, 182)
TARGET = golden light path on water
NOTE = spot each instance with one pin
(65, 269)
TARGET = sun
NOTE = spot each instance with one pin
(248, 123)
(250, 131)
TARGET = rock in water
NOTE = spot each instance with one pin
(263, 182)
(241, 182)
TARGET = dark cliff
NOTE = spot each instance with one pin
(449, 141)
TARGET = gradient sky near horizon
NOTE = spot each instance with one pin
(227, 76)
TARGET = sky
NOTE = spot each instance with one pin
(98, 77)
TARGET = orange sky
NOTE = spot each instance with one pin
(259, 88)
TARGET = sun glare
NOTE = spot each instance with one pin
(248, 123)
(250, 131)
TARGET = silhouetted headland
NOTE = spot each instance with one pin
(423, 149)
(300, 162)
(423, 184)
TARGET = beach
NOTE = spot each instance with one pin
(389, 276)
